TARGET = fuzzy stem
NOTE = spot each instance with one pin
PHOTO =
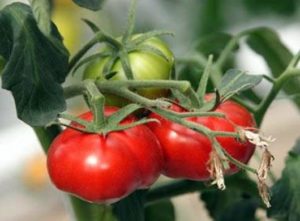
(230, 46)
(277, 85)
(97, 101)
(46, 135)
(131, 21)
(173, 189)
(204, 80)
(98, 38)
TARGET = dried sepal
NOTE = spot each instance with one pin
(266, 162)
(264, 192)
(256, 138)
(265, 165)
(216, 170)
(262, 175)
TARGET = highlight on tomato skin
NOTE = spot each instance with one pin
(187, 152)
(104, 169)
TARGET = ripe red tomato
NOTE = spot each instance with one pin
(100, 168)
(187, 152)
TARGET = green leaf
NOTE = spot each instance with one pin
(41, 11)
(36, 65)
(130, 208)
(235, 81)
(286, 7)
(94, 5)
(160, 211)
(267, 43)
(235, 203)
(285, 199)
(211, 19)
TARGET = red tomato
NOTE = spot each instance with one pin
(100, 168)
(187, 152)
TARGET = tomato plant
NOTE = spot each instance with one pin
(111, 157)
(187, 153)
(104, 168)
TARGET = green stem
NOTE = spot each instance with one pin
(192, 95)
(199, 114)
(82, 52)
(46, 135)
(230, 46)
(97, 102)
(238, 163)
(98, 38)
(179, 85)
(173, 189)
(105, 86)
(199, 60)
(277, 85)
(179, 187)
(119, 88)
(131, 21)
(204, 80)
(245, 103)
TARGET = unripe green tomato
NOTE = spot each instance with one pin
(145, 66)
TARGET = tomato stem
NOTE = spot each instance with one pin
(238, 163)
(46, 135)
(201, 90)
(230, 47)
(99, 37)
(97, 102)
(201, 61)
(245, 103)
(131, 21)
(124, 58)
(290, 72)
(172, 189)
(176, 188)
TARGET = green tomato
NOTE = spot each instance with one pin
(145, 65)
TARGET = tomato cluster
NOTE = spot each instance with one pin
(106, 168)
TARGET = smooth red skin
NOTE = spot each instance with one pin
(187, 152)
(107, 168)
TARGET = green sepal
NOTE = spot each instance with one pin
(91, 25)
(152, 50)
(235, 81)
(145, 36)
(90, 59)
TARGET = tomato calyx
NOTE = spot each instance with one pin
(111, 123)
